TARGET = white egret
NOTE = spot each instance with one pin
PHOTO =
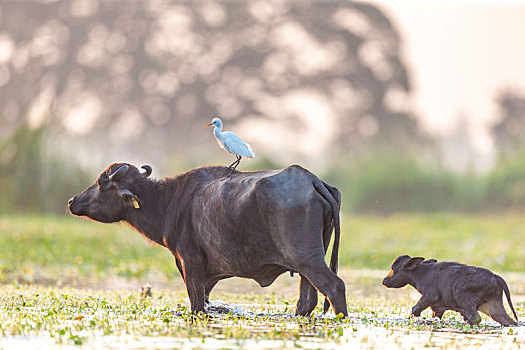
(231, 143)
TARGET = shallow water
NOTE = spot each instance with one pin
(355, 335)
(251, 317)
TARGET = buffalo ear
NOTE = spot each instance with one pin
(413, 263)
(127, 194)
(430, 261)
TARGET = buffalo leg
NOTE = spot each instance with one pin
(437, 312)
(471, 315)
(193, 279)
(307, 298)
(305, 234)
(504, 319)
(179, 267)
(195, 288)
(495, 309)
(327, 234)
(196, 294)
(422, 304)
(207, 290)
(328, 284)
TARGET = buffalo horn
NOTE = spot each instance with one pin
(117, 175)
(148, 170)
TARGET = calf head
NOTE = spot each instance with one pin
(108, 199)
(400, 272)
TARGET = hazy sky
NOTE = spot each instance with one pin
(460, 55)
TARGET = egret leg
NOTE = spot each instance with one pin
(238, 162)
(229, 168)
(235, 167)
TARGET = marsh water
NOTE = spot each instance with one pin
(244, 315)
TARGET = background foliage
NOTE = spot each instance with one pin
(64, 250)
(322, 84)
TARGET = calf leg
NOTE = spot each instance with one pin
(495, 309)
(437, 311)
(422, 304)
(307, 298)
(471, 315)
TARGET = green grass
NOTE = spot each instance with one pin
(494, 242)
(62, 248)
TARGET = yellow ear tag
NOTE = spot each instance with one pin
(135, 203)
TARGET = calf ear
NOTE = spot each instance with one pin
(413, 263)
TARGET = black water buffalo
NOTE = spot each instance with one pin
(255, 225)
(452, 286)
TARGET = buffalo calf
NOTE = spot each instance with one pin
(452, 286)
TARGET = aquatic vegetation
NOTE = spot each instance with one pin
(74, 282)
(72, 316)
(120, 318)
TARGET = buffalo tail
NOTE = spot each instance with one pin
(333, 197)
(505, 287)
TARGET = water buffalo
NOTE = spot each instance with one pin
(452, 286)
(255, 225)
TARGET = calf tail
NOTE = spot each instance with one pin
(332, 196)
(505, 287)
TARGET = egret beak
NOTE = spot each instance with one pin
(208, 124)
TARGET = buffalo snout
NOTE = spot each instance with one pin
(386, 282)
(74, 207)
(390, 282)
(79, 205)
(396, 279)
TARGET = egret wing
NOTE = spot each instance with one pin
(233, 144)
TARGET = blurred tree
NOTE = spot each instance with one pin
(33, 180)
(509, 130)
(150, 73)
